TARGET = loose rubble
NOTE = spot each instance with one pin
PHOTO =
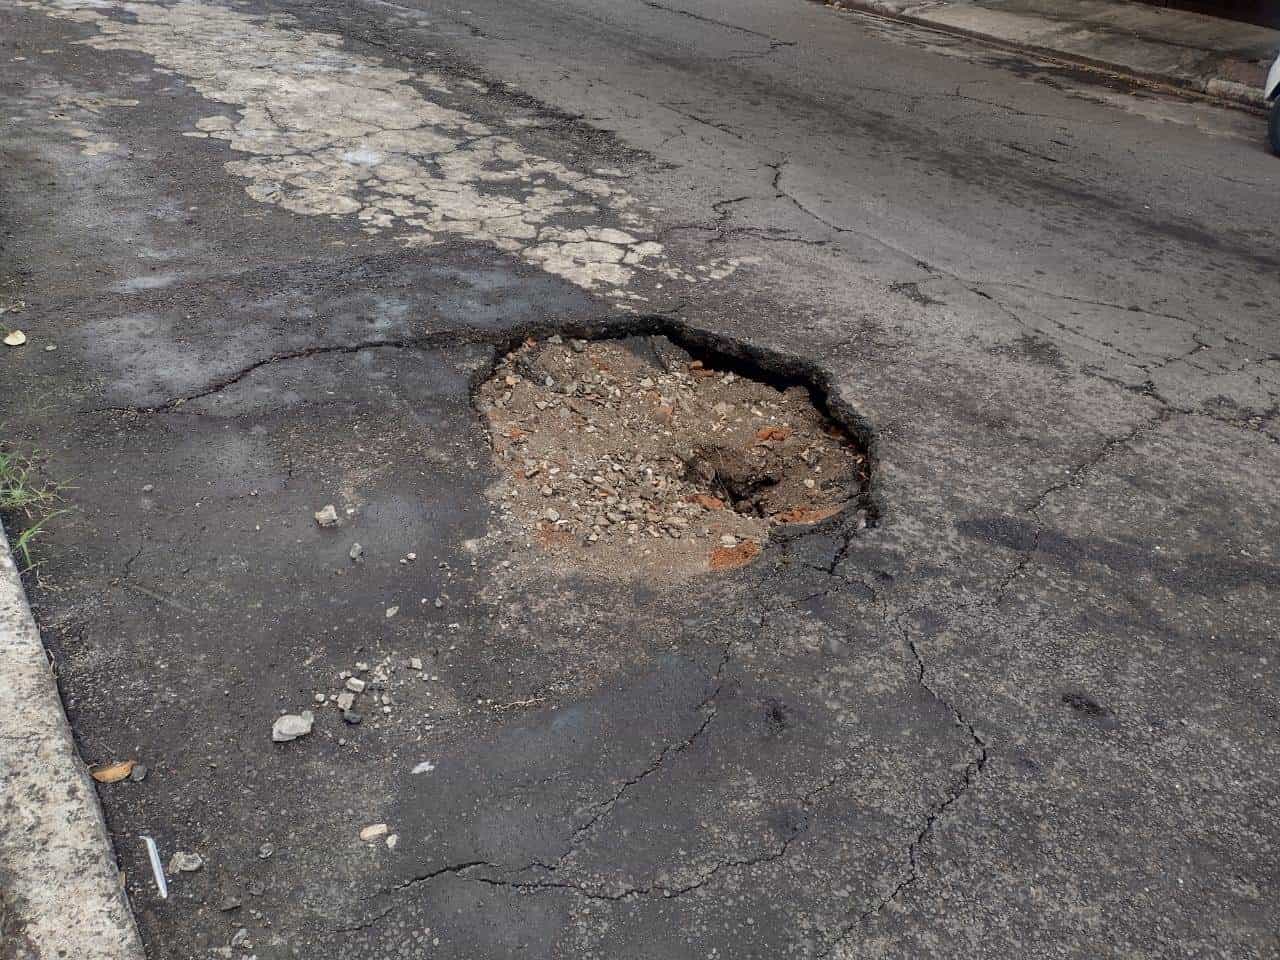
(184, 862)
(291, 726)
(327, 516)
(634, 457)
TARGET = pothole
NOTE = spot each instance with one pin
(635, 456)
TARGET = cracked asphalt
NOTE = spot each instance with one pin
(1030, 711)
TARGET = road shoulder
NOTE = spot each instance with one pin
(60, 892)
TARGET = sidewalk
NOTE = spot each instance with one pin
(1208, 55)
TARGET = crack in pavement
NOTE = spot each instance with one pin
(426, 342)
(973, 769)
(719, 23)
(1076, 476)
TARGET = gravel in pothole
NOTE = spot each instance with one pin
(632, 456)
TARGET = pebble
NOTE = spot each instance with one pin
(327, 516)
(148, 487)
(373, 831)
(728, 540)
(291, 726)
(346, 700)
(138, 773)
(230, 903)
(392, 840)
(356, 553)
(184, 862)
(265, 851)
(355, 684)
(392, 611)
(415, 663)
(351, 717)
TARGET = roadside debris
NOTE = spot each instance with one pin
(356, 553)
(185, 862)
(291, 726)
(15, 338)
(636, 458)
(115, 772)
(157, 869)
(373, 831)
(327, 516)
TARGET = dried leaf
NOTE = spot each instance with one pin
(16, 338)
(115, 772)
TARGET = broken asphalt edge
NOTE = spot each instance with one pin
(61, 893)
(1219, 90)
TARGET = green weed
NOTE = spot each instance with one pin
(26, 498)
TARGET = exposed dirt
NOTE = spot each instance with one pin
(633, 457)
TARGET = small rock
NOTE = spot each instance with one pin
(392, 611)
(392, 840)
(50, 347)
(728, 540)
(346, 700)
(148, 487)
(835, 646)
(351, 717)
(291, 726)
(552, 514)
(265, 851)
(439, 603)
(138, 773)
(415, 663)
(356, 553)
(230, 903)
(355, 684)
(184, 862)
(411, 557)
(257, 888)
(319, 698)
(373, 831)
(327, 516)
(15, 338)
(240, 938)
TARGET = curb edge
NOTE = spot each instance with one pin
(1217, 90)
(61, 893)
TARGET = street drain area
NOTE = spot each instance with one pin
(635, 456)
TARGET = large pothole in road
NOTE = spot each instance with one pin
(634, 456)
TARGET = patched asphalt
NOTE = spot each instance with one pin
(1030, 711)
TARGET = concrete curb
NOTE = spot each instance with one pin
(60, 890)
(1222, 90)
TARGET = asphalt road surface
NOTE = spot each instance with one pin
(264, 252)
